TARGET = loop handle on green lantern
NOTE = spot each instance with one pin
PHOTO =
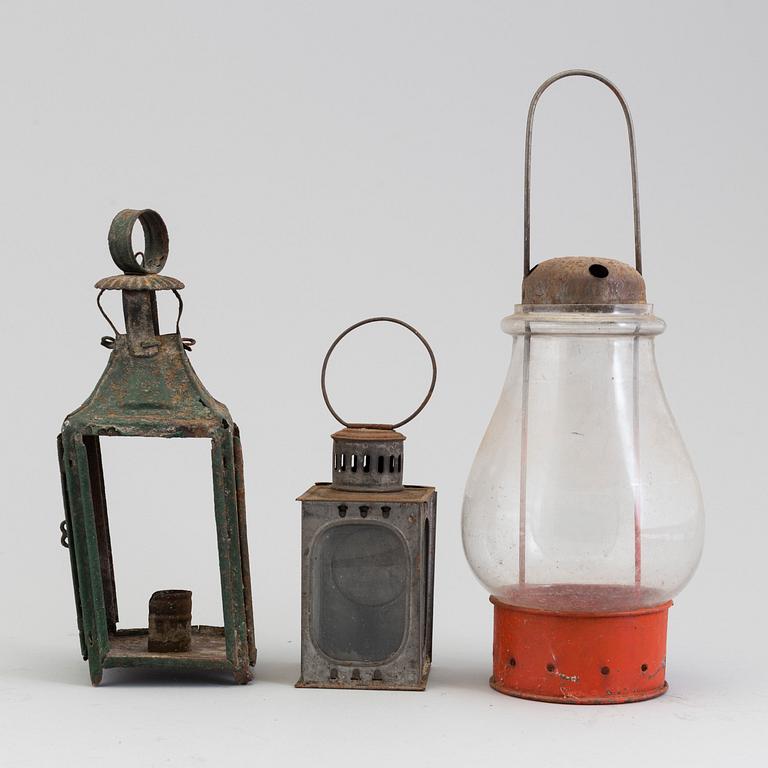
(155, 242)
(632, 159)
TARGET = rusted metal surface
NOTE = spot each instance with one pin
(153, 258)
(245, 562)
(368, 546)
(580, 280)
(149, 389)
(170, 621)
(362, 434)
(580, 658)
(65, 528)
(99, 501)
(207, 650)
(410, 494)
(139, 283)
(368, 460)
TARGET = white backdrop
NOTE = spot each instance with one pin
(317, 163)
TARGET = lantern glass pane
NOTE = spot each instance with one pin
(359, 598)
(582, 496)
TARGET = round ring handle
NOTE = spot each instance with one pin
(155, 242)
(349, 330)
(632, 160)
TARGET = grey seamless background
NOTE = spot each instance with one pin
(317, 163)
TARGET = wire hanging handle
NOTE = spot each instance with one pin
(186, 342)
(109, 341)
(349, 330)
(632, 159)
(107, 318)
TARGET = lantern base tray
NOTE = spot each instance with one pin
(208, 651)
(580, 658)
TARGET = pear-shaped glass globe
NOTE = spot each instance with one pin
(582, 496)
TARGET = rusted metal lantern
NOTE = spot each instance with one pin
(582, 513)
(368, 545)
(149, 389)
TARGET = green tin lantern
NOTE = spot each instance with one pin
(149, 389)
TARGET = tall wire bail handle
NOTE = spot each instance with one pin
(354, 327)
(632, 159)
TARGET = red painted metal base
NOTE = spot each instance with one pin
(580, 658)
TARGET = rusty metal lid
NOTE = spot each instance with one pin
(367, 460)
(581, 280)
(139, 283)
(363, 434)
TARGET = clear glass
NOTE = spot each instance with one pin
(582, 496)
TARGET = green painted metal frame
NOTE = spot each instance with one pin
(158, 395)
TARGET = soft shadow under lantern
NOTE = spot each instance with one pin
(582, 512)
(149, 389)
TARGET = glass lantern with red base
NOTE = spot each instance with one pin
(582, 513)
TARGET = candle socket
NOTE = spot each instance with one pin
(170, 621)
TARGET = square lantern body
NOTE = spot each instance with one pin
(368, 546)
(149, 389)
